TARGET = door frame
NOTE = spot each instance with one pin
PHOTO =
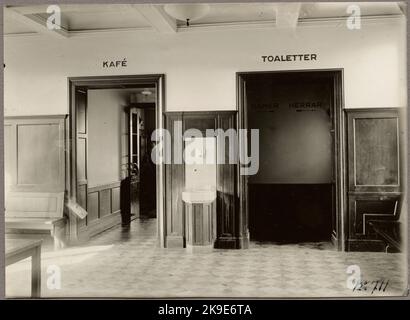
(112, 82)
(338, 236)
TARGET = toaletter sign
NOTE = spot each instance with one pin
(290, 57)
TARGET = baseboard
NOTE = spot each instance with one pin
(26, 231)
(232, 243)
(174, 241)
(96, 227)
(366, 245)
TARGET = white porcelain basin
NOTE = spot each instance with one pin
(198, 196)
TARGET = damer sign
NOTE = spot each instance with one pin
(290, 57)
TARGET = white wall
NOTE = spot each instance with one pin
(200, 66)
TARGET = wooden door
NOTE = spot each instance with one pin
(82, 147)
(134, 162)
(242, 180)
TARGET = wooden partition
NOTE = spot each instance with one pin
(103, 207)
(227, 197)
(102, 202)
(34, 151)
(374, 172)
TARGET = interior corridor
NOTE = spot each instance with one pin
(128, 263)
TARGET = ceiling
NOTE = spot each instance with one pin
(91, 18)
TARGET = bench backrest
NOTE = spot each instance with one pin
(34, 205)
(401, 206)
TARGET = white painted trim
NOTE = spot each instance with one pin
(36, 22)
(157, 18)
(305, 22)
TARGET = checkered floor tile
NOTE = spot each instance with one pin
(128, 263)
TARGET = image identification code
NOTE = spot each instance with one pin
(206, 309)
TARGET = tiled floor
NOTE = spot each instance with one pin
(128, 263)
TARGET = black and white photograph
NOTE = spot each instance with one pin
(205, 150)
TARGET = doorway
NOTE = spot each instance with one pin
(142, 183)
(112, 203)
(295, 195)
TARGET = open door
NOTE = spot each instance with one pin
(135, 128)
(143, 173)
(103, 204)
(81, 161)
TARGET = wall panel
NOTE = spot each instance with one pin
(374, 173)
(93, 206)
(35, 153)
(103, 201)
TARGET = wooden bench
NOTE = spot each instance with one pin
(390, 232)
(36, 212)
(389, 229)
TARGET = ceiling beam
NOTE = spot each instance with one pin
(35, 22)
(403, 7)
(79, 8)
(287, 14)
(157, 18)
(29, 9)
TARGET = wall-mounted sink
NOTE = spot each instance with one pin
(198, 196)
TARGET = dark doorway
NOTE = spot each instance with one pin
(292, 197)
(141, 112)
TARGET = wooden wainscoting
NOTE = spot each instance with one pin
(230, 234)
(34, 153)
(375, 166)
(174, 185)
(228, 231)
(103, 207)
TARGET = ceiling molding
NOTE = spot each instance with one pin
(304, 22)
(88, 32)
(268, 24)
(36, 22)
(157, 18)
(74, 8)
(287, 14)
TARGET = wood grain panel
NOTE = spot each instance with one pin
(82, 196)
(174, 180)
(93, 206)
(9, 154)
(228, 230)
(199, 121)
(81, 159)
(105, 202)
(34, 205)
(82, 201)
(376, 152)
(374, 172)
(199, 222)
(227, 227)
(38, 161)
(373, 150)
(115, 199)
(34, 153)
(81, 113)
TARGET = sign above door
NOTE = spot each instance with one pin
(290, 57)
